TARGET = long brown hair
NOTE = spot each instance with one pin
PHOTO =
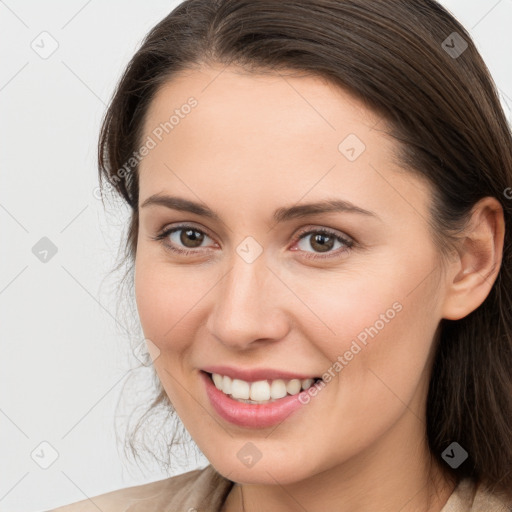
(415, 65)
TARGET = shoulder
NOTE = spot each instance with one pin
(471, 496)
(487, 501)
(197, 489)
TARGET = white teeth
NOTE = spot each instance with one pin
(307, 383)
(261, 390)
(217, 379)
(278, 389)
(239, 388)
(226, 384)
(293, 386)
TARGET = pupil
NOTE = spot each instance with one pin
(322, 246)
(191, 234)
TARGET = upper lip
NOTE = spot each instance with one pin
(255, 374)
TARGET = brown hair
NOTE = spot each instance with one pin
(401, 59)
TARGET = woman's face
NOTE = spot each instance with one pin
(257, 292)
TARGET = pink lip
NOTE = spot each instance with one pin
(251, 415)
(255, 374)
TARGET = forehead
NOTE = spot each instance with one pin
(268, 137)
(245, 102)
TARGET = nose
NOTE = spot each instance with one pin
(249, 305)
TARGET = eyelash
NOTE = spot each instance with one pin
(323, 231)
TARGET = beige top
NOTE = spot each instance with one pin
(205, 490)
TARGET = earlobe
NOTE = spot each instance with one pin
(472, 274)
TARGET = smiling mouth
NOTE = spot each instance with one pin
(262, 391)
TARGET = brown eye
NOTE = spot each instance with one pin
(323, 241)
(192, 237)
(182, 239)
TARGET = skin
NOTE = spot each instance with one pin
(254, 144)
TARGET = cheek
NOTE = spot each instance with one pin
(149, 296)
(361, 303)
(383, 319)
(168, 300)
(150, 293)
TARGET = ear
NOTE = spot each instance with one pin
(473, 271)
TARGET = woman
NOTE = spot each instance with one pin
(322, 258)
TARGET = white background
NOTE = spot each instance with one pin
(64, 357)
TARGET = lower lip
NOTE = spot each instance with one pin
(252, 415)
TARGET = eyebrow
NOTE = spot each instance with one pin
(280, 215)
